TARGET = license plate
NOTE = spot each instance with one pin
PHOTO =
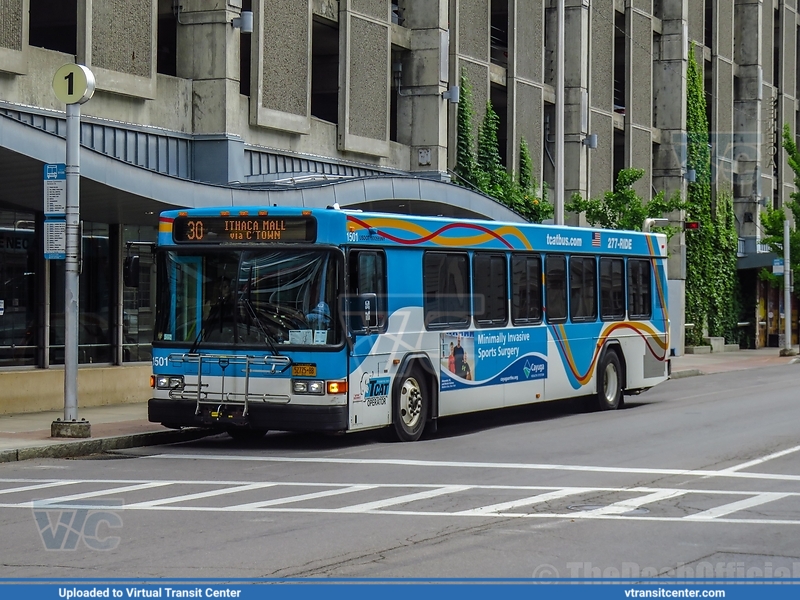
(304, 370)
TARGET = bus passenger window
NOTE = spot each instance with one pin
(612, 289)
(583, 288)
(639, 289)
(368, 276)
(556, 288)
(446, 290)
(490, 293)
(526, 286)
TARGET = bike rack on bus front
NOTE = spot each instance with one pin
(273, 363)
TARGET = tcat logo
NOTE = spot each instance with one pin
(377, 391)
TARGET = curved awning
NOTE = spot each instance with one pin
(114, 191)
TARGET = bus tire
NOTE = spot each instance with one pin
(241, 434)
(609, 382)
(410, 402)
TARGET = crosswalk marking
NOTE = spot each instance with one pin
(200, 495)
(378, 504)
(726, 509)
(95, 494)
(530, 501)
(762, 460)
(38, 486)
(730, 501)
(300, 498)
(630, 504)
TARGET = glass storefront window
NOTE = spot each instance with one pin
(17, 289)
(138, 304)
(94, 305)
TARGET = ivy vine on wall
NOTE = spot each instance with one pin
(711, 278)
(485, 172)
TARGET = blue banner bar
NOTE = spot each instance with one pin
(370, 589)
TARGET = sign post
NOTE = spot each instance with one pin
(787, 349)
(73, 85)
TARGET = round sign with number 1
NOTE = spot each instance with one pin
(73, 84)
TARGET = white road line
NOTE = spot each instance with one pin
(438, 514)
(630, 504)
(481, 465)
(530, 501)
(762, 460)
(726, 509)
(300, 498)
(342, 484)
(107, 492)
(378, 504)
(199, 495)
(39, 486)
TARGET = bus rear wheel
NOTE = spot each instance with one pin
(410, 407)
(609, 382)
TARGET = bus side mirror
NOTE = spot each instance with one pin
(130, 271)
(368, 309)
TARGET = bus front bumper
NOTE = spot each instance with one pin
(276, 417)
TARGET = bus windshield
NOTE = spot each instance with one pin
(254, 299)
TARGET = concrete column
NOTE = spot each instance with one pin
(747, 126)
(788, 95)
(469, 52)
(208, 54)
(576, 106)
(364, 76)
(669, 162)
(722, 54)
(601, 96)
(14, 29)
(525, 76)
(422, 113)
(638, 101)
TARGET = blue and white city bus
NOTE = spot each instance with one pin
(279, 318)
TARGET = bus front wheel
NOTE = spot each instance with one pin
(609, 382)
(410, 407)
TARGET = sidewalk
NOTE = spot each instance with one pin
(25, 436)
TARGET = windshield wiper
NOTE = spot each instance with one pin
(212, 314)
(252, 313)
(267, 337)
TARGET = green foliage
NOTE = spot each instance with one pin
(622, 208)
(711, 278)
(772, 220)
(723, 301)
(525, 166)
(532, 202)
(486, 172)
(493, 178)
(466, 166)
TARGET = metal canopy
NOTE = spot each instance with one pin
(114, 191)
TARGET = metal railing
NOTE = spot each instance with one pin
(200, 392)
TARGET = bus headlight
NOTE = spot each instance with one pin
(305, 386)
(169, 382)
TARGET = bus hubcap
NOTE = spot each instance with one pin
(611, 384)
(410, 402)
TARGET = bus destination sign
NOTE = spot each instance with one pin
(238, 229)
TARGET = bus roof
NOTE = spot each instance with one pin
(349, 227)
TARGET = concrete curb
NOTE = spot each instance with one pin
(71, 449)
(686, 373)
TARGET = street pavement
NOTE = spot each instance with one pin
(25, 436)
